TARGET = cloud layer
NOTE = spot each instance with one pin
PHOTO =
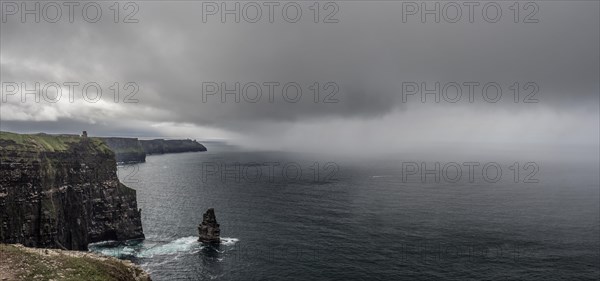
(370, 55)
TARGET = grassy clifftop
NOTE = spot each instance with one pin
(46, 143)
(21, 263)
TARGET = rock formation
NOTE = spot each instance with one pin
(209, 229)
(63, 192)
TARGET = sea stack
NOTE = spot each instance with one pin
(209, 229)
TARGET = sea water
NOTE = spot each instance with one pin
(287, 216)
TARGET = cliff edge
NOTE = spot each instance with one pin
(132, 150)
(62, 191)
(21, 263)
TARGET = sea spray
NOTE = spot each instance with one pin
(149, 249)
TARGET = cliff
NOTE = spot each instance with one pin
(132, 150)
(21, 263)
(127, 150)
(63, 191)
(160, 146)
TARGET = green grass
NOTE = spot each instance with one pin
(47, 143)
(38, 142)
(37, 266)
(91, 269)
(29, 148)
(101, 146)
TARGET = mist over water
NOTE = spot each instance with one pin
(368, 220)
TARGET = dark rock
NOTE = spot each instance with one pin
(209, 229)
(63, 192)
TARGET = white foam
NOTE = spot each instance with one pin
(147, 249)
(112, 248)
(185, 244)
(103, 243)
(116, 251)
(229, 241)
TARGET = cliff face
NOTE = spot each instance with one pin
(63, 191)
(160, 146)
(126, 150)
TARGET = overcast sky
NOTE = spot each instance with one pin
(371, 55)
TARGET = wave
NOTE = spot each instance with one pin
(229, 241)
(149, 249)
(185, 245)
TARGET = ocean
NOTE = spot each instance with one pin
(292, 216)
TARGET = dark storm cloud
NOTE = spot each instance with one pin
(368, 54)
(66, 126)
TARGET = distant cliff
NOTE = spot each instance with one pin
(132, 150)
(126, 149)
(63, 191)
(160, 146)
